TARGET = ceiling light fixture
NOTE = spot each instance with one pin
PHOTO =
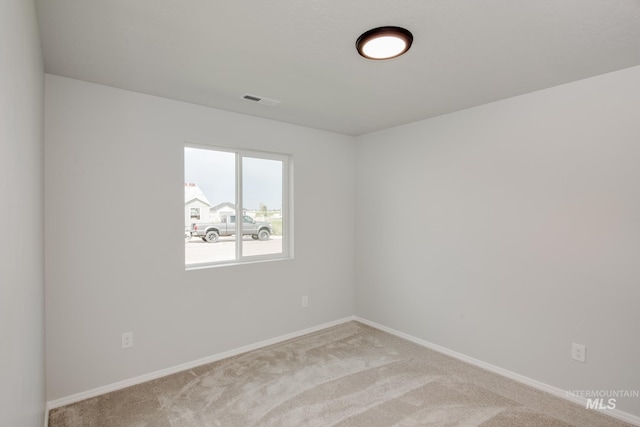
(384, 43)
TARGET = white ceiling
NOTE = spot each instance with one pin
(302, 52)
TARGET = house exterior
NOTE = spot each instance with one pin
(196, 205)
(219, 212)
(198, 209)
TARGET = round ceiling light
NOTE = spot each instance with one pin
(384, 42)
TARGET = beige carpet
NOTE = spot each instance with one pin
(349, 375)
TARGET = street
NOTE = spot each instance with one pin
(198, 251)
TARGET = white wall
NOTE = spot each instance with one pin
(520, 232)
(110, 273)
(21, 217)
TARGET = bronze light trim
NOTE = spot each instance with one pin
(384, 43)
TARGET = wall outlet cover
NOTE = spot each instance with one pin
(579, 352)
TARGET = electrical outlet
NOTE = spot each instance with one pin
(305, 301)
(579, 352)
(127, 339)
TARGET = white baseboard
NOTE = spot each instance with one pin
(184, 366)
(623, 416)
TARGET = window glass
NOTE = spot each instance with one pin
(195, 214)
(209, 177)
(262, 196)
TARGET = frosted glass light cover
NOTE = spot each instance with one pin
(384, 47)
(384, 42)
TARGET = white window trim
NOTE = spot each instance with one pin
(287, 206)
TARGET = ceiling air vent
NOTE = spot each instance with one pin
(260, 100)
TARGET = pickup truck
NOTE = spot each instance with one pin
(211, 232)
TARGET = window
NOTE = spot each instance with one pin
(195, 214)
(226, 184)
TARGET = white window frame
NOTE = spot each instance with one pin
(287, 206)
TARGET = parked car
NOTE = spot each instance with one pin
(211, 232)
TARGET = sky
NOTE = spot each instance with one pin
(214, 172)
